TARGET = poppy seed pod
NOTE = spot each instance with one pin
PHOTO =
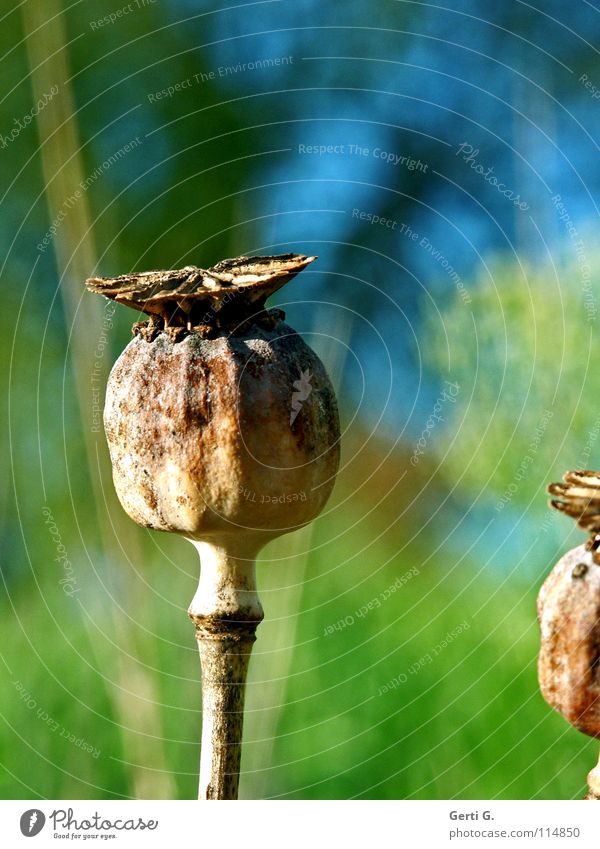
(222, 426)
(569, 616)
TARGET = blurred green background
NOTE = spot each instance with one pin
(154, 135)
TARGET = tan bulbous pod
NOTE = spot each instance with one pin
(222, 426)
(569, 616)
(201, 437)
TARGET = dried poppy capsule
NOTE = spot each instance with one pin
(222, 426)
(569, 615)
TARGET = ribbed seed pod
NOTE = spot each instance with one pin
(222, 426)
(569, 661)
(569, 616)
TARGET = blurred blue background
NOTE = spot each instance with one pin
(442, 163)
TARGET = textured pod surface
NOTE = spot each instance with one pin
(569, 661)
(210, 436)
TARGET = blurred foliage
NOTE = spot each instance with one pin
(523, 355)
